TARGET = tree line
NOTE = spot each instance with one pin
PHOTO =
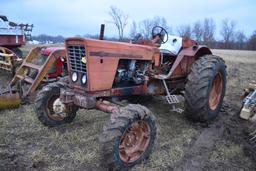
(203, 31)
(43, 38)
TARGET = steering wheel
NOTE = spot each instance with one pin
(161, 32)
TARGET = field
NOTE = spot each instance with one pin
(25, 144)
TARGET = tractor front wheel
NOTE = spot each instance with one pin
(50, 110)
(205, 88)
(128, 137)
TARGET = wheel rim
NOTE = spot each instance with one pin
(216, 91)
(134, 141)
(52, 112)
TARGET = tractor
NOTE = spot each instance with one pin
(101, 71)
(12, 37)
(42, 66)
(9, 60)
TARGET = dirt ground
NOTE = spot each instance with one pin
(25, 144)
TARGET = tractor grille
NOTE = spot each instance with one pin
(76, 53)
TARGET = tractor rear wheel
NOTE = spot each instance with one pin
(128, 137)
(205, 88)
(50, 110)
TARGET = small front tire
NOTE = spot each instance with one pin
(128, 137)
(50, 110)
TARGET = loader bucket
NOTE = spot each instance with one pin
(9, 100)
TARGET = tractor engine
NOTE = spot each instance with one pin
(130, 72)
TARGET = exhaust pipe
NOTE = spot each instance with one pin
(102, 29)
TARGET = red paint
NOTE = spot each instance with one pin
(10, 40)
(47, 51)
(59, 64)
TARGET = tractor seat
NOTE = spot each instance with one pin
(172, 46)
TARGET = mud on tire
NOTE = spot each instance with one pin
(44, 106)
(123, 142)
(205, 88)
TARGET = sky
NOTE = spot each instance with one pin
(81, 17)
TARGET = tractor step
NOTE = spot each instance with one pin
(172, 99)
(31, 65)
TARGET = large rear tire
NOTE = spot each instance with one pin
(50, 110)
(205, 88)
(128, 137)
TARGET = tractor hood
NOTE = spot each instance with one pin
(47, 51)
(96, 60)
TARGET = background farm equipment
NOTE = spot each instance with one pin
(9, 60)
(12, 36)
(249, 104)
(41, 66)
(248, 112)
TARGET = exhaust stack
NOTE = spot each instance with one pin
(102, 30)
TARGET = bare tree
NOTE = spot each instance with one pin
(198, 31)
(240, 39)
(184, 31)
(228, 32)
(251, 44)
(209, 28)
(161, 21)
(119, 19)
(133, 30)
(146, 26)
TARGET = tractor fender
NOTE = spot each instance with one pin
(192, 52)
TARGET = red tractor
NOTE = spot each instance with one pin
(42, 66)
(58, 68)
(101, 71)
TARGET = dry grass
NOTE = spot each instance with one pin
(241, 67)
(227, 155)
(237, 56)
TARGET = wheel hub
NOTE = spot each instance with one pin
(216, 91)
(134, 141)
(56, 109)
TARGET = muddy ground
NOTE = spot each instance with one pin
(25, 144)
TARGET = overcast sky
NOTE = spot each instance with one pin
(80, 17)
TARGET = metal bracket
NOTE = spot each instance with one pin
(176, 109)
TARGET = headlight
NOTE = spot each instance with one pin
(84, 79)
(62, 59)
(74, 76)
